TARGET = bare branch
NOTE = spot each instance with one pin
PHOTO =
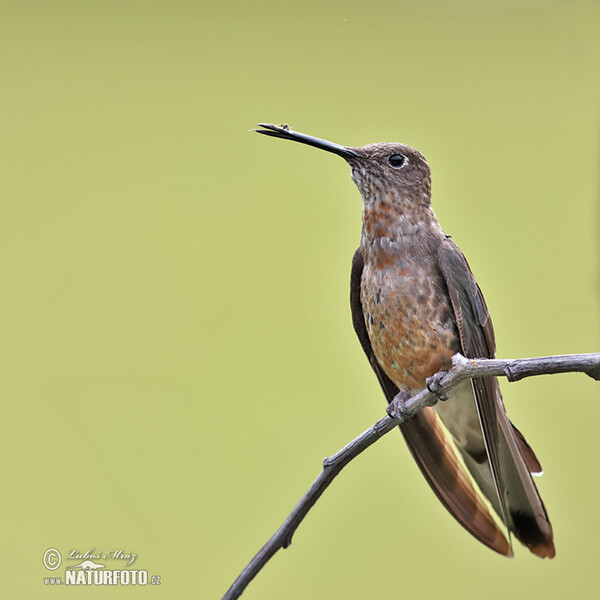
(463, 368)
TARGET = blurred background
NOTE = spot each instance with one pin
(177, 354)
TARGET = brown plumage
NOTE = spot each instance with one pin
(414, 304)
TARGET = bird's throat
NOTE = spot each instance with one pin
(390, 231)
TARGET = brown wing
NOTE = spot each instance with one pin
(510, 458)
(429, 445)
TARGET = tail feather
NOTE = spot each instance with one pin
(526, 513)
(436, 456)
(531, 460)
(500, 461)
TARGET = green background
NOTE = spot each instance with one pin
(177, 353)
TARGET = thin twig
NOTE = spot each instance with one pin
(463, 368)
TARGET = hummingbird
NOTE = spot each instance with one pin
(415, 303)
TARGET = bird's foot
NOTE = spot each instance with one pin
(434, 385)
(397, 407)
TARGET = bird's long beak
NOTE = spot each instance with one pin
(282, 131)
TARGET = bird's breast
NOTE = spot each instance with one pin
(409, 318)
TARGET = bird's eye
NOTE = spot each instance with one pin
(397, 160)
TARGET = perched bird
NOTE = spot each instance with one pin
(415, 303)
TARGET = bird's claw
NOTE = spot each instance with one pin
(434, 384)
(397, 407)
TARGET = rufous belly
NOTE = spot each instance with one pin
(409, 321)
